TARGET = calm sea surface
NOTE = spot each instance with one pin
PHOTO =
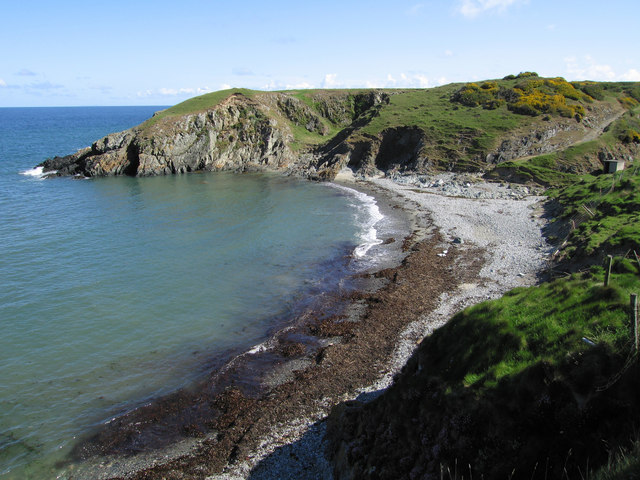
(116, 290)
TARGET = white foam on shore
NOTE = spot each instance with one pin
(261, 347)
(367, 216)
(37, 172)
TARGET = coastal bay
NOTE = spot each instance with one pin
(334, 365)
(119, 290)
(454, 258)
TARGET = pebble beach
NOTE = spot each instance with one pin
(500, 224)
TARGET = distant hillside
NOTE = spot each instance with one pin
(316, 133)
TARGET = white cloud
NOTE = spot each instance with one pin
(225, 86)
(422, 81)
(333, 80)
(25, 72)
(272, 85)
(2, 83)
(588, 69)
(632, 75)
(473, 8)
(373, 84)
(46, 85)
(174, 92)
(403, 80)
(448, 53)
(330, 81)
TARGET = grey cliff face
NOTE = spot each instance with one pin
(236, 135)
(239, 134)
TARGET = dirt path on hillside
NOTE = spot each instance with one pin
(577, 137)
(600, 128)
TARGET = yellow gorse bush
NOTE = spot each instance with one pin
(628, 102)
(530, 96)
(536, 102)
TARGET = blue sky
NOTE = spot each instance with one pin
(132, 52)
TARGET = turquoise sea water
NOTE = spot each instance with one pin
(116, 290)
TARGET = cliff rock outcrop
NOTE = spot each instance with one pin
(236, 135)
(318, 133)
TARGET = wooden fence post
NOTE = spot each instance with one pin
(608, 272)
(633, 300)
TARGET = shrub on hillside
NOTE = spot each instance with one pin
(529, 85)
(634, 92)
(627, 128)
(564, 88)
(539, 103)
(509, 95)
(629, 136)
(520, 75)
(473, 95)
(530, 96)
(493, 104)
(527, 74)
(524, 108)
(594, 90)
(578, 112)
(628, 102)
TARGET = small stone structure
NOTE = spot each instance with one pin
(613, 166)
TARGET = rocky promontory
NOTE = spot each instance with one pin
(318, 133)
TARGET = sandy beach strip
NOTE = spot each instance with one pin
(469, 243)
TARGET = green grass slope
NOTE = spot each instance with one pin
(197, 104)
(619, 140)
(602, 215)
(453, 127)
(542, 383)
(529, 386)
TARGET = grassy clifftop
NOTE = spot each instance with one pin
(473, 126)
(197, 104)
(602, 215)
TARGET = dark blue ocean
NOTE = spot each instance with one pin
(117, 290)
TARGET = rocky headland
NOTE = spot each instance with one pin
(317, 134)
